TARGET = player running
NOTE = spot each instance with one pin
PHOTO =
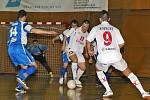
(17, 41)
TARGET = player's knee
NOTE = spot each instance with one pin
(23, 67)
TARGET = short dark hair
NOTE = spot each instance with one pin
(35, 41)
(86, 21)
(21, 13)
(104, 15)
(75, 22)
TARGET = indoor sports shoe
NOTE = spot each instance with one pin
(78, 83)
(108, 94)
(20, 90)
(146, 95)
(23, 84)
(61, 81)
(51, 74)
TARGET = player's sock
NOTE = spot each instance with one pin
(63, 71)
(103, 80)
(28, 72)
(79, 73)
(19, 85)
(136, 82)
(21, 71)
(74, 67)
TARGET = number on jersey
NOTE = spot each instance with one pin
(107, 38)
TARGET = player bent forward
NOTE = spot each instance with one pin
(75, 50)
(109, 41)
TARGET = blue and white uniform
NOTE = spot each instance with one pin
(64, 56)
(17, 40)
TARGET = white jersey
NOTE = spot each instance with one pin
(61, 37)
(108, 39)
(77, 40)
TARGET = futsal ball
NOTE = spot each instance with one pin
(71, 84)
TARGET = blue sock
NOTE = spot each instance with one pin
(21, 71)
(28, 72)
(19, 85)
(62, 71)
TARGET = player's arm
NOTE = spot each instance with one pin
(120, 39)
(88, 45)
(91, 36)
(30, 29)
(40, 31)
(55, 39)
(121, 45)
(64, 43)
(86, 51)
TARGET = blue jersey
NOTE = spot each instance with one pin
(17, 40)
(18, 33)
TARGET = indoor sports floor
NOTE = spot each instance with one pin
(44, 88)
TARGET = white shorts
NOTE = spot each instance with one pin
(120, 65)
(79, 56)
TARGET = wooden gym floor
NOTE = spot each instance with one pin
(44, 88)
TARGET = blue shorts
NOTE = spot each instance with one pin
(64, 58)
(20, 55)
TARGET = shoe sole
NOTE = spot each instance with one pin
(23, 84)
(79, 85)
(108, 96)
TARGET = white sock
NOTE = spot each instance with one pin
(136, 82)
(74, 67)
(79, 73)
(103, 80)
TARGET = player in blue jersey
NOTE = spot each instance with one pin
(17, 40)
(64, 56)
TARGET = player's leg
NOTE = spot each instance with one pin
(81, 65)
(74, 65)
(63, 69)
(103, 78)
(26, 61)
(15, 54)
(19, 87)
(42, 59)
(108, 72)
(122, 66)
(81, 68)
